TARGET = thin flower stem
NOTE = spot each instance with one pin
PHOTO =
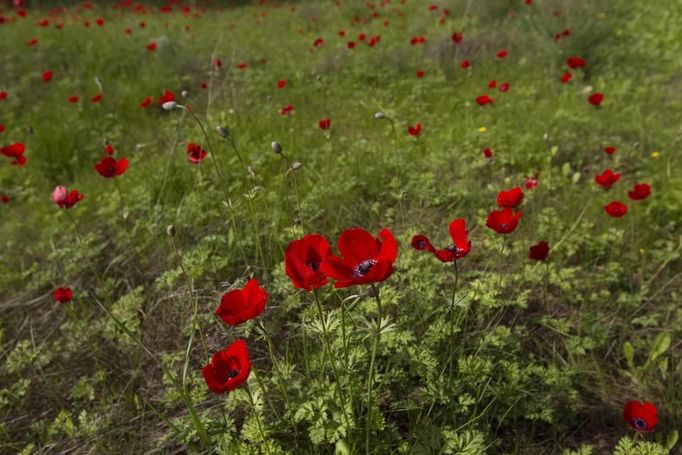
(451, 349)
(325, 340)
(258, 422)
(371, 372)
(120, 198)
(298, 198)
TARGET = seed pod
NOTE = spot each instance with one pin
(296, 165)
(170, 230)
(169, 105)
(276, 148)
(379, 116)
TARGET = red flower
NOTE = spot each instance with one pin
(539, 252)
(502, 54)
(415, 130)
(364, 260)
(243, 65)
(318, 42)
(420, 73)
(65, 199)
(351, 44)
(483, 100)
(217, 62)
(62, 295)
(607, 179)
(151, 47)
(286, 110)
(4, 198)
(97, 98)
(373, 40)
(566, 77)
(616, 209)
(109, 167)
(503, 221)
(640, 191)
(100, 22)
(15, 151)
(109, 149)
(459, 247)
(47, 76)
(281, 84)
(576, 62)
(596, 99)
(488, 152)
(3, 95)
(465, 64)
(303, 260)
(342, 33)
(510, 198)
(32, 42)
(504, 87)
(228, 369)
(167, 96)
(195, 153)
(241, 305)
(531, 182)
(457, 37)
(362, 36)
(641, 416)
(417, 40)
(2, 128)
(492, 84)
(73, 99)
(610, 150)
(203, 85)
(325, 123)
(146, 102)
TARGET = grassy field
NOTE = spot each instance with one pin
(379, 109)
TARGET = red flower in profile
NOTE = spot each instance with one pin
(510, 198)
(228, 368)
(97, 98)
(417, 40)
(303, 261)
(364, 259)
(596, 99)
(459, 247)
(616, 209)
(151, 47)
(195, 153)
(607, 179)
(420, 73)
(325, 123)
(281, 84)
(15, 151)
(539, 252)
(166, 97)
(62, 295)
(415, 130)
(504, 87)
(318, 42)
(351, 44)
(502, 53)
(457, 37)
(566, 77)
(640, 191)
(610, 150)
(373, 40)
(641, 416)
(465, 64)
(73, 99)
(109, 167)
(241, 305)
(47, 76)
(576, 62)
(203, 85)
(488, 152)
(109, 149)
(243, 65)
(483, 100)
(503, 221)
(286, 110)
(65, 199)
(146, 102)
(531, 182)
(100, 22)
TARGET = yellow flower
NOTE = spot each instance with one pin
(482, 129)
(655, 154)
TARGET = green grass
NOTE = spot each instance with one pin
(539, 363)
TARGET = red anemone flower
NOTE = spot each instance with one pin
(241, 305)
(15, 151)
(286, 110)
(502, 53)
(492, 84)
(420, 73)
(616, 209)
(457, 37)
(483, 100)
(566, 77)
(596, 99)
(281, 84)
(504, 87)
(228, 368)
(641, 416)
(459, 247)
(610, 150)
(364, 259)
(146, 102)
(73, 99)
(97, 98)
(325, 123)
(109, 149)
(166, 97)
(303, 260)
(3, 95)
(488, 152)
(151, 47)
(465, 64)
(607, 179)
(62, 295)
(576, 62)
(4, 198)
(109, 167)
(318, 42)
(640, 191)
(195, 153)
(531, 182)
(539, 252)
(510, 198)
(415, 130)
(2, 128)
(65, 199)
(47, 76)
(503, 221)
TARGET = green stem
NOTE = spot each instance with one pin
(371, 372)
(258, 422)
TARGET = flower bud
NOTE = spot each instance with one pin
(276, 148)
(250, 170)
(169, 105)
(222, 132)
(184, 93)
(379, 116)
(170, 230)
(296, 165)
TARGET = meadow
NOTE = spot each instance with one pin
(349, 227)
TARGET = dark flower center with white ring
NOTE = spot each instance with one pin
(639, 423)
(421, 245)
(232, 374)
(314, 265)
(364, 267)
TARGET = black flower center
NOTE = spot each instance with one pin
(639, 423)
(232, 374)
(364, 267)
(313, 265)
(421, 245)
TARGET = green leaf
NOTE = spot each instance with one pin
(629, 353)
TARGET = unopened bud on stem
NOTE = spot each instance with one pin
(169, 106)
(379, 116)
(223, 132)
(276, 148)
(170, 230)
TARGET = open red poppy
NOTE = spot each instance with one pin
(228, 368)
(510, 198)
(65, 199)
(503, 221)
(62, 295)
(303, 260)
(459, 247)
(241, 305)
(110, 167)
(641, 416)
